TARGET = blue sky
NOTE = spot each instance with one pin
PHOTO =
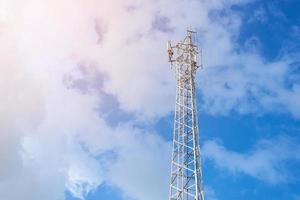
(88, 98)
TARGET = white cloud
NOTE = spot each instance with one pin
(142, 166)
(249, 86)
(266, 161)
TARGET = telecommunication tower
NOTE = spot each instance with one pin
(186, 170)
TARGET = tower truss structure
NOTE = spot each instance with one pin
(186, 170)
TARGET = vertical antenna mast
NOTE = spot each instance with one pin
(186, 170)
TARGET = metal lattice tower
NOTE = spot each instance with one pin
(186, 170)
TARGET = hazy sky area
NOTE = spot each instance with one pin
(87, 98)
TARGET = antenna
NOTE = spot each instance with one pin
(170, 52)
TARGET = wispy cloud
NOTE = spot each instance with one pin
(267, 161)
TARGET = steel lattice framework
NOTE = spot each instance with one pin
(186, 169)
